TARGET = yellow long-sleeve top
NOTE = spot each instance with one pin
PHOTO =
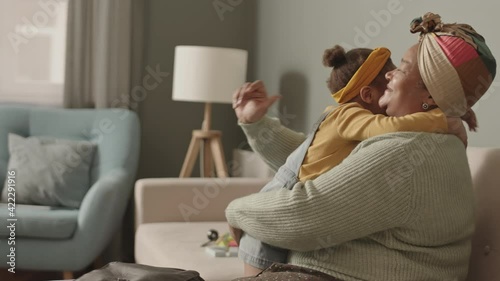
(349, 124)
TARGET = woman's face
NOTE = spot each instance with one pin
(405, 92)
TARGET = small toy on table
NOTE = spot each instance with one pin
(225, 246)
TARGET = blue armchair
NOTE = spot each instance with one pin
(61, 239)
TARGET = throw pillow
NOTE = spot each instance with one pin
(50, 172)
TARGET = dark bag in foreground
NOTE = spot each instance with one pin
(118, 271)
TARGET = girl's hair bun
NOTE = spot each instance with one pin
(334, 57)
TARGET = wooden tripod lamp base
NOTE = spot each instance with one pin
(212, 153)
(212, 150)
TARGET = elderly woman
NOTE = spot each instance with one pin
(400, 207)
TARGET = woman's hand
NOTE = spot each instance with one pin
(456, 127)
(251, 102)
(236, 233)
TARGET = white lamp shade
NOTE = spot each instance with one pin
(208, 74)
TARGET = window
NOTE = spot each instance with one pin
(32, 50)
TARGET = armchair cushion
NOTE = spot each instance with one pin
(39, 222)
(49, 171)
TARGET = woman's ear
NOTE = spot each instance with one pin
(366, 94)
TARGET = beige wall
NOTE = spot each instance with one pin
(292, 35)
(167, 125)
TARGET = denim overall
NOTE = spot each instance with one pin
(255, 252)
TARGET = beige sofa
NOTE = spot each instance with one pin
(173, 216)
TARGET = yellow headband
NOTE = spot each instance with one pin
(364, 75)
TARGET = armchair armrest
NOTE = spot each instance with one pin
(189, 199)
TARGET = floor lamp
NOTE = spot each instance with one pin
(208, 75)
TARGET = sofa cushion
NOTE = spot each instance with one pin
(12, 120)
(39, 221)
(49, 171)
(177, 244)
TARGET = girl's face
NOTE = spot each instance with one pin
(405, 91)
(376, 91)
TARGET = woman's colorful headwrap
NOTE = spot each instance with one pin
(364, 76)
(455, 63)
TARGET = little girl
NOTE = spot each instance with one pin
(357, 82)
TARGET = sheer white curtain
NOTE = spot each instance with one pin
(103, 52)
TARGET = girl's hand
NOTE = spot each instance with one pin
(251, 102)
